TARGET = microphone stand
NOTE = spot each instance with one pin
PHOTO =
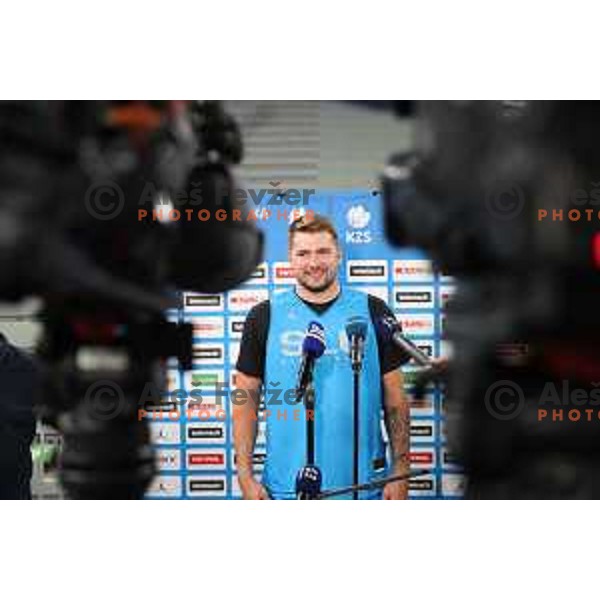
(377, 483)
(356, 367)
(309, 478)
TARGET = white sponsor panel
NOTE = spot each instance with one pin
(367, 271)
(413, 271)
(235, 327)
(409, 297)
(208, 353)
(453, 485)
(164, 433)
(167, 459)
(172, 380)
(205, 303)
(443, 432)
(422, 458)
(379, 291)
(236, 491)
(210, 485)
(448, 460)
(234, 352)
(260, 275)
(205, 380)
(165, 486)
(422, 407)
(206, 459)
(283, 273)
(210, 407)
(411, 374)
(446, 349)
(260, 435)
(208, 327)
(242, 300)
(422, 430)
(426, 346)
(416, 324)
(422, 487)
(206, 433)
(446, 292)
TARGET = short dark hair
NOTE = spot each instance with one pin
(314, 224)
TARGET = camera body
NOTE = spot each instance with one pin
(476, 196)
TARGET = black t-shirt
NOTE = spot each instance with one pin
(253, 347)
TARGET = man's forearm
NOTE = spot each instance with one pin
(244, 437)
(398, 423)
(397, 419)
(245, 423)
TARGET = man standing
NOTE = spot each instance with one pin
(269, 356)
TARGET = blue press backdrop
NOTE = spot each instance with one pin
(195, 449)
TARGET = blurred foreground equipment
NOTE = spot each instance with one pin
(524, 321)
(73, 178)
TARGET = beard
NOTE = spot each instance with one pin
(328, 281)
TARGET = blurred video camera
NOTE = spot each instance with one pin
(502, 196)
(73, 179)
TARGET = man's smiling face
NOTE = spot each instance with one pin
(314, 258)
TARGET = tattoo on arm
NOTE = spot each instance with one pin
(398, 426)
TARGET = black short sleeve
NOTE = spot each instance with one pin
(390, 356)
(251, 359)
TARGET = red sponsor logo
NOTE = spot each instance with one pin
(245, 299)
(206, 459)
(284, 272)
(422, 458)
(416, 323)
(401, 270)
(206, 327)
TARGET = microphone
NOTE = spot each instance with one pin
(308, 483)
(356, 330)
(391, 329)
(313, 347)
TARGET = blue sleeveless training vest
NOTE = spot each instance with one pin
(286, 421)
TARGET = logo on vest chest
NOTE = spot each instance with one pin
(290, 343)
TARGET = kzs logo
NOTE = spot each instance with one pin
(358, 218)
(358, 237)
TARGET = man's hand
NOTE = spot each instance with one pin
(252, 489)
(396, 490)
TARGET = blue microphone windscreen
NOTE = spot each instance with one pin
(314, 341)
(356, 327)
